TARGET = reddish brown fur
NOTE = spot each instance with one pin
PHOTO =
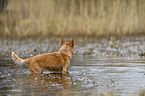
(55, 62)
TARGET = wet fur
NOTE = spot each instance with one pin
(56, 62)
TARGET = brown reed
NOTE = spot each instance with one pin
(48, 18)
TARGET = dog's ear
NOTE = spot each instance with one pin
(72, 42)
(62, 42)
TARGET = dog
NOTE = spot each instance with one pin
(56, 62)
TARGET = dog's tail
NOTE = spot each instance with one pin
(18, 60)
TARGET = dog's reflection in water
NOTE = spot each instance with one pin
(51, 80)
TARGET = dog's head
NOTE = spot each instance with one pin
(69, 46)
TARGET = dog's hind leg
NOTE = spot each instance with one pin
(35, 68)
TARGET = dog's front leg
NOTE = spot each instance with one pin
(65, 67)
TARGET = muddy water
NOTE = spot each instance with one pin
(87, 76)
(96, 69)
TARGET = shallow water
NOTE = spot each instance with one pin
(87, 76)
(96, 69)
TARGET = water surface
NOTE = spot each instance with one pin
(96, 68)
(87, 76)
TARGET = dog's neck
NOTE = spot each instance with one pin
(66, 52)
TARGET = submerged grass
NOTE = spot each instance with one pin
(47, 18)
(132, 48)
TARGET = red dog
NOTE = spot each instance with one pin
(55, 62)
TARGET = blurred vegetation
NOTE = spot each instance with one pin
(94, 18)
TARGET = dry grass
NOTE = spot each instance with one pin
(46, 18)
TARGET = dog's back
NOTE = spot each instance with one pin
(50, 61)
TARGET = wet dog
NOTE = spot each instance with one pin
(56, 62)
